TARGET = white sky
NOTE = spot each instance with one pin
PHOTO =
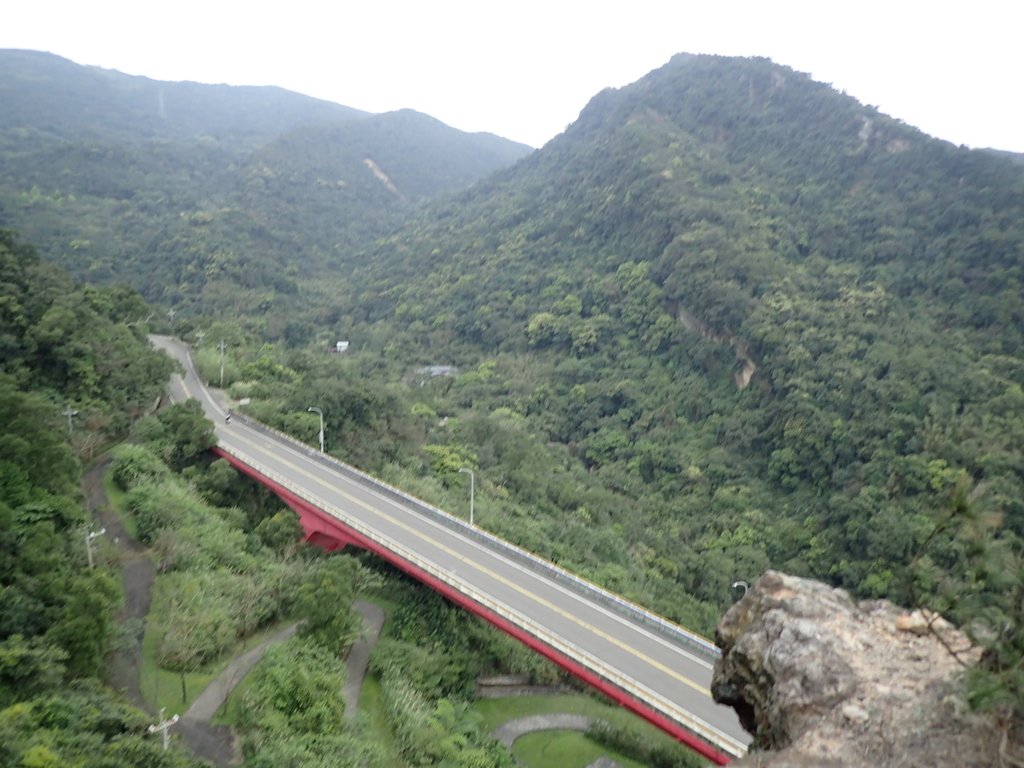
(525, 69)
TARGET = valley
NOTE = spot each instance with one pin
(730, 320)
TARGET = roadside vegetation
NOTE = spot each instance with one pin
(72, 377)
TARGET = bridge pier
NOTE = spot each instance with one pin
(320, 530)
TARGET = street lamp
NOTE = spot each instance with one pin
(164, 726)
(70, 413)
(222, 346)
(314, 409)
(89, 536)
(472, 484)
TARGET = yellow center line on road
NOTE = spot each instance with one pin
(492, 574)
(483, 569)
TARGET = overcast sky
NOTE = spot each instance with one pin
(525, 69)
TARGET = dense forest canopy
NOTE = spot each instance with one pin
(729, 320)
(73, 375)
(211, 197)
(773, 327)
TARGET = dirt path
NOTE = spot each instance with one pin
(359, 655)
(216, 693)
(215, 743)
(137, 574)
(513, 729)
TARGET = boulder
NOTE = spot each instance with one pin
(819, 679)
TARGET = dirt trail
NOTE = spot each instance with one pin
(359, 655)
(137, 574)
(513, 729)
(215, 743)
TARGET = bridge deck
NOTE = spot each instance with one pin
(644, 662)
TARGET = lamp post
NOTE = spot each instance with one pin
(222, 346)
(70, 413)
(89, 536)
(314, 409)
(472, 484)
(164, 726)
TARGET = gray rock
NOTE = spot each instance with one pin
(821, 680)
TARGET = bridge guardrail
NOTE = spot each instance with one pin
(696, 725)
(582, 586)
(593, 591)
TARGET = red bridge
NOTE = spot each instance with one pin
(647, 664)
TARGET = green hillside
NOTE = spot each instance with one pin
(190, 192)
(773, 326)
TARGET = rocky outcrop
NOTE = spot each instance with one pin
(820, 680)
(746, 366)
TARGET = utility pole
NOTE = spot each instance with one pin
(164, 726)
(88, 543)
(222, 347)
(472, 484)
(70, 413)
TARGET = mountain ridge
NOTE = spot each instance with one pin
(873, 273)
(142, 108)
(227, 190)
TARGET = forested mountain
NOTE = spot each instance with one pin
(729, 320)
(191, 192)
(48, 98)
(777, 327)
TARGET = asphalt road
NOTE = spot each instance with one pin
(667, 677)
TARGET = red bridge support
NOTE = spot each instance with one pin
(330, 534)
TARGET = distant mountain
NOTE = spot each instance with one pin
(48, 97)
(787, 325)
(332, 188)
(181, 187)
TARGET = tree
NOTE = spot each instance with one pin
(28, 667)
(282, 533)
(325, 602)
(84, 629)
(196, 625)
(189, 433)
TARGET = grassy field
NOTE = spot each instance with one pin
(559, 749)
(563, 749)
(372, 709)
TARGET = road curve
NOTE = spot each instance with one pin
(670, 679)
